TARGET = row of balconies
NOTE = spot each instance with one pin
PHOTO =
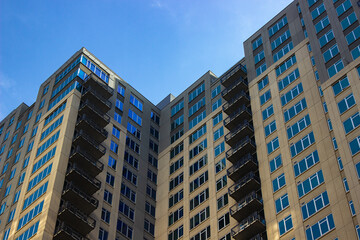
(81, 183)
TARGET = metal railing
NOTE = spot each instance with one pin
(68, 206)
(88, 157)
(248, 157)
(238, 128)
(244, 201)
(240, 110)
(251, 175)
(87, 138)
(235, 99)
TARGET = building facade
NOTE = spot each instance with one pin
(268, 150)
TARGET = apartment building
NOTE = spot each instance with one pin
(268, 150)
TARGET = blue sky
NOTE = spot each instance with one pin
(158, 46)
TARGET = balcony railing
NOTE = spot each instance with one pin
(245, 125)
(249, 161)
(246, 184)
(84, 181)
(93, 108)
(250, 203)
(234, 70)
(92, 124)
(232, 101)
(90, 142)
(83, 201)
(97, 95)
(100, 83)
(88, 158)
(237, 113)
(64, 232)
(249, 227)
(238, 82)
(239, 149)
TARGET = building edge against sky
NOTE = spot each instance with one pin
(109, 159)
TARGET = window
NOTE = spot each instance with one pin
(16, 196)
(282, 203)
(310, 183)
(197, 134)
(357, 166)
(280, 24)
(348, 21)
(198, 149)
(154, 117)
(340, 85)
(197, 119)
(51, 128)
(197, 182)
(34, 196)
(129, 175)
(176, 234)
(258, 57)
(177, 197)
(38, 117)
(110, 179)
(176, 215)
(176, 150)
(199, 199)
(265, 97)
(330, 125)
(285, 225)
(275, 163)
(108, 196)
(14, 139)
(128, 192)
(177, 122)
(12, 174)
(105, 215)
(318, 11)
(199, 218)
(30, 215)
(121, 90)
(153, 146)
(135, 117)
(222, 201)
(220, 165)
(306, 163)
(177, 135)
(358, 231)
(114, 146)
(322, 24)
(282, 38)
(327, 37)
(197, 165)
(176, 165)
(263, 83)
(48, 143)
(117, 117)
(7, 191)
(270, 128)
(285, 65)
(346, 185)
(203, 234)
(320, 91)
(175, 109)
(103, 235)
(257, 43)
(300, 125)
(302, 144)
(355, 52)
(21, 178)
(278, 182)
(6, 136)
(112, 162)
(261, 69)
(352, 36)
(222, 182)
(219, 149)
(124, 229)
(290, 95)
(196, 92)
(294, 110)
(279, 54)
(132, 145)
(311, 2)
(216, 104)
(126, 210)
(154, 132)
(314, 205)
(43, 174)
(153, 161)
(30, 232)
(224, 221)
(2, 208)
(352, 208)
(152, 176)
(334, 143)
(150, 209)
(196, 106)
(320, 228)
(11, 215)
(343, 7)
(134, 101)
(151, 192)
(5, 168)
(269, 111)
(273, 145)
(330, 53)
(346, 103)
(176, 181)
(130, 159)
(116, 132)
(355, 145)
(341, 167)
(218, 118)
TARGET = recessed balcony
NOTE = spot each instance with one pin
(247, 205)
(97, 83)
(240, 131)
(88, 184)
(241, 114)
(244, 165)
(80, 157)
(96, 98)
(79, 198)
(70, 214)
(90, 110)
(245, 146)
(241, 98)
(237, 86)
(92, 128)
(234, 73)
(64, 232)
(82, 139)
(250, 182)
(249, 227)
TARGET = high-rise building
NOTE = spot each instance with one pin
(268, 150)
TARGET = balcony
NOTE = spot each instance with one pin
(241, 114)
(249, 204)
(96, 132)
(79, 199)
(99, 101)
(92, 147)
(246, 145)
(250, 182)
(229, 92)
(259, 236)
(78, 176)
(89, 109)
(233, 73)
(249, 227)
(80, 157)
(242, 98)
(97, 83)
(70, 214)
(242, 130)
(244, 165)
(64, 232)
